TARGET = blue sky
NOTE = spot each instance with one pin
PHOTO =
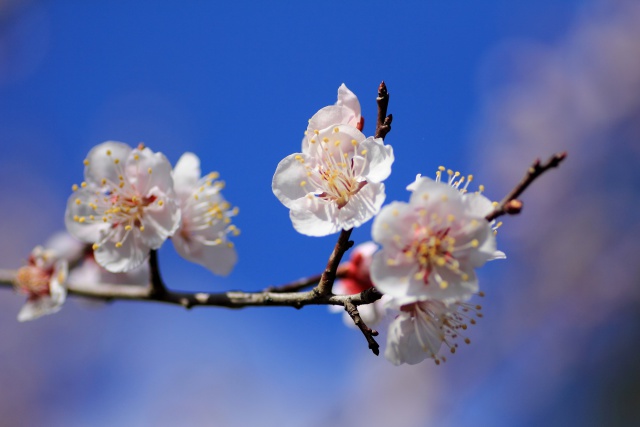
(235, 83)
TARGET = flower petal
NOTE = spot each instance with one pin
(78, 207)
(379, 159)
(186, 174)
(146, 170)
(105, 162)
(288, 178)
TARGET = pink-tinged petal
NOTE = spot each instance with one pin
(287, 184)
(334, 141)
(437, 197)
(403, 345)
(313, 217)
(65, 245)
(146, 170)
(477, 205)
(77, 208)
(160, 220)
(419, 179)
(186, 175)
(394, 219)
(36, 308)
(349, 100)
(219, 258)
(379, 159)
(391, 278)
(456, 289)
(130, 255)
(105, 161)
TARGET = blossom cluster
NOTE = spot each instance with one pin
(423, 258)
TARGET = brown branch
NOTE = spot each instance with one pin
(383, 122)
(366, 331)
(329, 275)
(510, 204)
(157, 284)
(230, 299)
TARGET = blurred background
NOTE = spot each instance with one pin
(480, 87)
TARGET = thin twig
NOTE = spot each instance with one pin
(325, 286)
(303, 283)
(366, 331)
(510, 204)
(383, 123)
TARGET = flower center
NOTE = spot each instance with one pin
(33, 280)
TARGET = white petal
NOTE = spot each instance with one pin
(391, 279)
(186, 174)
(456, 289)
(379, 159)
(314, 217)
(88, 231)
(414, 184)
(348, 99)
(403, 345)
(65, 245)
(394, 219)
(118, 260)
(287, 179)
(477, 205)
(160, 222)
(102, 162)
(220, 258)
(149, 171)
(33, 309)
(362, 206)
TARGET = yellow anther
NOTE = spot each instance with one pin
(481, 188)
(391, 261)
(395, 212)
(91, 217)
(120, 177)
(441, 261)
(337, 143)
(325, 139)
(419, 275)
(457, 174)
(470, 178)
(142, 228)
(195, 196)
(425, 196)
(160, 202)
(449, 172)
(108, 152)
(95, 246)
(303, 183)
(118, 244)
(313, 141)
(74, 187)
(81, 219)
(213, 175)
(76, 218)
(316, 131)
(229, 244)
(83, 184)
(86, 162)
(444, 284)
(116, 161)
(136, 157)
(354, 142)
(336, 129)
(441, 168)
(474, 243)
(127, 227)
(451, 217)
(149, 170)
(363, 152)
(121, 184)
(465, 277)
(104, 181)
(78, 201)
(444, 198)
(495, 204)
(104, 219)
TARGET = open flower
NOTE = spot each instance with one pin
(336, 183)
(356, 279)
(423, 326)
(345, 111)
(206, 218)
(125, 207)
(42, 280)
(431, 245)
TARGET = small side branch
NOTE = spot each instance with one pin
(383, 123)
(366, 331)
(510, 205)
(303, 283)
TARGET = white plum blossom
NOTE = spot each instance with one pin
(206, 218)
(42, 280)
(345, 111)
(336, 183)
(423, 326)
(357, 278)
(431, 245)
(125, 207)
